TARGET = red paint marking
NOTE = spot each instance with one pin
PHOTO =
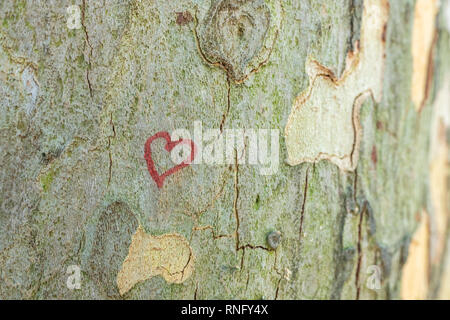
(159, 179)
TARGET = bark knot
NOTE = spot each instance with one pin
(233, 34)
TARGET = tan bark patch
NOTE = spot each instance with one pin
(438, 190)
(168, 255)
(421, 46)
(416, 270)
(324, 121)
(444, 290)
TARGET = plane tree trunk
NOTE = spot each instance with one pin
(358, 92)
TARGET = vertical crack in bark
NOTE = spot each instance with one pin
(109, 148)
(248, 280)
(187, 264)
(359, 250)
(278, 289)
(352, 12)
(196, 290)
(236, 214)
(236, 235)
(279, 273)
(275, 263)
(110, 168)
(242, 259)
(355, 186)
(225, 115)
(302, 214)
(236, 198)
(83, 23)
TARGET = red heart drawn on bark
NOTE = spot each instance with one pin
(159, 179)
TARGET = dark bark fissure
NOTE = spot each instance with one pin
(89, 66)
(227, 111)
(302, 213)
(359, 253)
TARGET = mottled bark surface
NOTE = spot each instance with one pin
(77, 106)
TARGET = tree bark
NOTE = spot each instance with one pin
(79, 101)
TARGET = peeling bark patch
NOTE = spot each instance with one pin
(416, 270)
(324, 121)
(168, 255)
(422, 43)
(236, 35)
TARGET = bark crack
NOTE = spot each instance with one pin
(196, 290)
(250, 246)
(213, 201)
(278, 288)
(214, 235)
(109, 149)
(359, 251)
(302, 213)
(236, 198)
(178, 272)
(225, 115)
(248, 280)
(83, 23)
(236, 214)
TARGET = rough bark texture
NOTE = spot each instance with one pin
(77, 106)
